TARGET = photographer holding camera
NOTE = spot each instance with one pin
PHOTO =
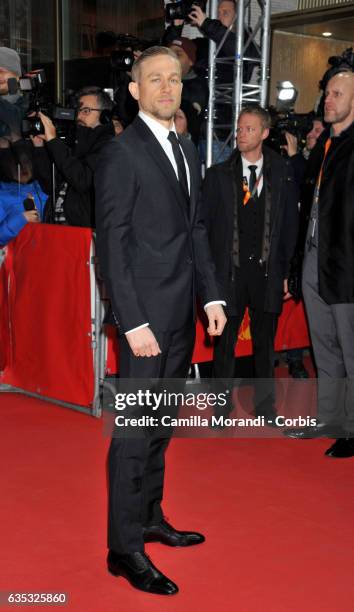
(15, 156)
(71, 200)
(215, 30)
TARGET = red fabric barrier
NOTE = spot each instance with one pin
(292, 333)
(50, 313)
(45, 317)
(4, 319)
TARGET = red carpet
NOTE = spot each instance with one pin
(277, 514)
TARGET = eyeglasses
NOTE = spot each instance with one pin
(249, 130)
(87, 110)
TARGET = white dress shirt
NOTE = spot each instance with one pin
(246, 171)
(161, 134)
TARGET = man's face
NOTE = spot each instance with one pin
(339, 98)
(250, 133)
(86, 116)
(313, 135)
(184, 59)
(226, 12)
(159, 87)
(4, 76)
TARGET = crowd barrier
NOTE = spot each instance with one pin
(52, 341)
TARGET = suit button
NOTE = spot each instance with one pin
(189, 260)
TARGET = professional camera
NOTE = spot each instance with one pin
(338, 63)
(122, 59)
(32, 85)
(298, 124)
(181, 9)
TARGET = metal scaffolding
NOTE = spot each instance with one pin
(237, 93)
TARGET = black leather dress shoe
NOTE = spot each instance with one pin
(341, 449)
(297, 369)
(141, 573)
(320, 430)
(166, 534)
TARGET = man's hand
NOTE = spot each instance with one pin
(286, 294)
(143, 343)
(216, 318)
(32, 216)
(291, 146)
(178, 22)
(196, 16)
(49, 128)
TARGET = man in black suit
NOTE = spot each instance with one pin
(328, 266)
(155, 258)
(250, 210)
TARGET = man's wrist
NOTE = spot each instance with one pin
(214, 303)
(136, 328)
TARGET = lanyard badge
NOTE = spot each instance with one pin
(246, 191)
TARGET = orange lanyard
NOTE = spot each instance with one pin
(319, 180)
(246, 191)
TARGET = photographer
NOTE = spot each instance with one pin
(12, 106)
(15, 156)
(299, 158)
(215, 29)
(73, 202)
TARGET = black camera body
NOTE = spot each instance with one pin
(122, 59)
(181, 9)
(298, 124)
(32, 85)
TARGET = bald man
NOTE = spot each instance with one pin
(328, 271)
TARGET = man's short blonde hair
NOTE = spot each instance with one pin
(255, 109)
(151, 52)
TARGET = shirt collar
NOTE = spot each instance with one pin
(258, 163)
(156, 127)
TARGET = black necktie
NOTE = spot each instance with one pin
(181, 166)
(253, 179)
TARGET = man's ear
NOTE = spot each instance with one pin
(265, 134)
(134, 90)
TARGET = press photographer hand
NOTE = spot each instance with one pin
(49, 130)
(197, 16)
(291, 144)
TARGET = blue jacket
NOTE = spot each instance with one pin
(12, 219)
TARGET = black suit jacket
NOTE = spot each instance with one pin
(222, 190)
(336, 215)
(154, 254)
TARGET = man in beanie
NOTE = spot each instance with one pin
(11, 105)
(195, 90)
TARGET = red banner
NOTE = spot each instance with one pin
(49, 313)
(45, 317)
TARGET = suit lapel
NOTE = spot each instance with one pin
(155, 150)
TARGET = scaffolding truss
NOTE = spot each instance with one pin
(237, 93)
